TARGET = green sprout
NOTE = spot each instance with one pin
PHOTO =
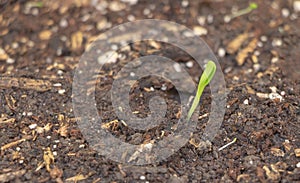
(252, 6)
(206, 77)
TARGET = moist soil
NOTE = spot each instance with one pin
(41, 44)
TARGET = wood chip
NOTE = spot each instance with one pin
(9, 145)
(25, 83)
(5, 120)
(235, 44)
(48, 158)
(297, 152)
(272, 175)
(76, 40)
(6, 177)
(78, 177)
(3, 55)
(63, 130)
(45, 35)
(277, 152)
(243, 54)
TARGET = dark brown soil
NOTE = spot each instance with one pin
(41, 142)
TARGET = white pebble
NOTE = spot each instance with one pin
(151, 88)
(18, 149)
(199, 31)
(21, 161)
(274, 60)
(114, 47)
(177, 67)
(201, 20)
(62, 91)
(282, 93)
(132, 74)
(131, 2)
(285, 12)
(63, 23)
(57, 84)
(54, 153)
(264, 38)
(227, 19)
(10, 61)
(142, 177)
(131, 18)
(163, 87)
(246, 102)
(48, 137)
(189, 64)
(296, 6)
(184, 3)
(260, 44)
(146, 11)
(210, 19)
(81, 146)
(221, 52)
(298, 165)
(60, 72)
(256, 67)
(274, 96)
(54, 146)
(276, 42)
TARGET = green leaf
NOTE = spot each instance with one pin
(205, 79)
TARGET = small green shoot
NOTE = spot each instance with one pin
(206, 77)
(252, 6)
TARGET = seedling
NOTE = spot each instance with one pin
(226, 145)
(206, 77)
(252, 6)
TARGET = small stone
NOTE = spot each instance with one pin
(108, 57)
(184, 3)
(29, 114)
(63, 23)
(48, 137)
(296, 6)
(62, 91)
(298, 165)
(18, 149)
(163, 87)
(274, 60)
(201, 20)
(227, 18)
(131, 18)
(131, 2)
(177, 67)
(142, 177)
(221, 52)
(10, 61)
(199, 31)
(60, 72)
(277, 42)
(246, 102)
(32, 126)
(146, 11)
(285, 12)
(264, 38)
(81, 146)
(54, 153)
(132, 74)
(57, 84)
(282, 93)
(116, 6)
(210, 19)
(256, 67)
(45, 35)
(21, 161)
(189, 64)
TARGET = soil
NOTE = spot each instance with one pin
(41, 43)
